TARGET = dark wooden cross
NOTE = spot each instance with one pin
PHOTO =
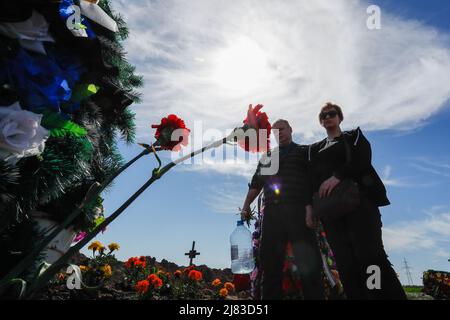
(192, 254)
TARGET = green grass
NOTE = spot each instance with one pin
(412, 289)
(415, 293)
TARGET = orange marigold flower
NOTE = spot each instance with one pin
(223, 292)
(139, 263)
(161, 273)
(135, 262)
(107, 271)
(157, 283)
(195, 275)
(177, 274)
(216, 283)
(96, 245)
(130, 262)
(83, 268)
(229, 286)
(188, 269)
(113, 246)
(152, 277)
(142, 287)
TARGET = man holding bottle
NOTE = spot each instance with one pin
(288, 216)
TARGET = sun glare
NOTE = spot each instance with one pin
(240, 67)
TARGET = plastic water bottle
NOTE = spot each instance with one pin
(241, 250)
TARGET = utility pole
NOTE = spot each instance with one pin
(408, 272)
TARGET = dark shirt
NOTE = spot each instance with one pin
(332, 161)
(291, 184)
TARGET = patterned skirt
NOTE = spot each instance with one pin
(292, 286)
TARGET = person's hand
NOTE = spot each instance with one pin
(311, 221)
(246, 215)
(328, 186)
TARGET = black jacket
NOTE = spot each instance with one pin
(333, 161)
(291, 184)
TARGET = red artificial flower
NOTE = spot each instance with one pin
(164, 132)
(289, 250)
(286, 265)
(142, 287)
(286, 285)
(258, 121)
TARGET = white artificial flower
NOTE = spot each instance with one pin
(31, 33)
(93, 11)
(21, 134)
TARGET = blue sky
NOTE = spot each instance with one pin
(206, 61)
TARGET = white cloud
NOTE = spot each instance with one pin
(431, 233)
(438, 167)
(207, 60)
(443, 254)
(228, 159)
(236, 168)
(388, 180)
(403, 182)
(225, 198)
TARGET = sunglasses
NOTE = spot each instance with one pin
(323, 115)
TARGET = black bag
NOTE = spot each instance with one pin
(344, 198)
